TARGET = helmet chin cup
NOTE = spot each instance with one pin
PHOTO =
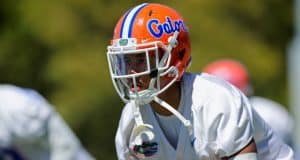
(142, 133)
(143, 97)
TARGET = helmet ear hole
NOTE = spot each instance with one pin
(181, 54)
(150, 13)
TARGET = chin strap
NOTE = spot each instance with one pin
(185, 122)
(142, 126)
(141, 132)
(144, 132)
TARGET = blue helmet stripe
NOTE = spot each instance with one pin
(129, 19)
(133, 18)
(122, 26)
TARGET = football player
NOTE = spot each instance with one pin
(272, 112)
(170, 113)
(30, 129)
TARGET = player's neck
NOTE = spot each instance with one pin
(172, 96)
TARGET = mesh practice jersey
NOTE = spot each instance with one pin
(223, 123)
(276, 116)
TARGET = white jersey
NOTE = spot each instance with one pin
(275, 115)
(223, 123)
(31, 130)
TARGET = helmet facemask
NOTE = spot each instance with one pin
(137, 69)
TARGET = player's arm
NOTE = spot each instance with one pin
(123, 134)
(37, 120)
(5, 136)
(247, 153)
(63, 142)
(230, 124)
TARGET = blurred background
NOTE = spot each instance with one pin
(58, 47)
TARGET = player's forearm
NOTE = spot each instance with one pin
(245, 156)
(249, 152)
(63, 142)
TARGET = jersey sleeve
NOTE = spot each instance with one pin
(5, 136)
(29, 119)
(225, 121)
(24, 113)
(63, 142)
(270, 111)
(126, 124)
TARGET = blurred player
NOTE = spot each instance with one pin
(172, 114)
(272, 112)
(30, 129)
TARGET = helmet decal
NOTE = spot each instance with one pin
(169, 26)
(126, 28)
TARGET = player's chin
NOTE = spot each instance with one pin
(138, 89)
(135, 89)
